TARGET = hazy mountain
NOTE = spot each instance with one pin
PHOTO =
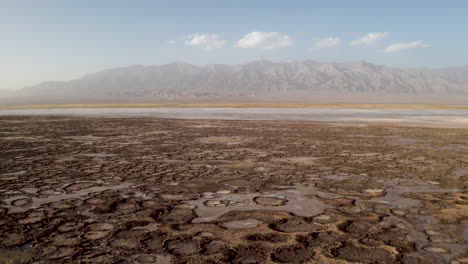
(4, 93)
(258, 79)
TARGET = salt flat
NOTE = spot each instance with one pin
(452, 118)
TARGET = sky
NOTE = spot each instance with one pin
(53, 40)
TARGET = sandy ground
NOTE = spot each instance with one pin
(148, 190)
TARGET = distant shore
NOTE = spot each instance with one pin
(237, 105)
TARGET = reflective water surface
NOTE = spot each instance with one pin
(429, 117)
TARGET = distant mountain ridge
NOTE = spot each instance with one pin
(5, 92)
(257, 79)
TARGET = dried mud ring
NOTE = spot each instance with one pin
(324, 219)
(241, 224)
(61, 252)
(95, 201)
(156, 242)
(269, 201)
(176, 215)
(407, 259)
(148, 204)
(32, 218)
(70, 239)
(326, 238)
(183, 246)
(216, 203)
(292, 254)
(246, 254)
(59, 205)
(125, 243)
(62, 207)
(460, 259)
(349, 209)
(70, 226)
(267, 237)
(47, 192)
(443, 236)
(296, 225)
(178, 197)
(362, 254)
(12, 239)
(125, 207)
(15, 256)
(79, 186)
(213, 247)
(360, 227)
(224, 140)
(152, 258)
(374, 192)
(21, 202)
(98, 231)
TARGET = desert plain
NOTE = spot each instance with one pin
(76, 189)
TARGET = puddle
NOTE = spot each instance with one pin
(419, 234)
(455, 147)
(394, 193)
(460, 172)
(296, 203)
(394, 190)
(403, 140)
(80, 194)
(149, 228)
(241, 224)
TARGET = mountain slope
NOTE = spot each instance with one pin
(258, 79)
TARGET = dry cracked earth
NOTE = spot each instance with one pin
(142, 190)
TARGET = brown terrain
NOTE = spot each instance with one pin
(145, 190)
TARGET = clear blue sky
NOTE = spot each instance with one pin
(45, 40)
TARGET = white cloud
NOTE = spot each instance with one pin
(397, 47)
(330, 42)
(171, 42)
(264, 40)
(208, 42)
(369, 39)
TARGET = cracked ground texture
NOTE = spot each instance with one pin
(146, 190)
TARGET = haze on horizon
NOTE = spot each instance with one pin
(55, 40)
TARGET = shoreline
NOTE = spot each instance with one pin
(237, 105)
(449, 118)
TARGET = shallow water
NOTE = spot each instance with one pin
(460, 171)
(447, 118)
(80, 194)
(296, 203)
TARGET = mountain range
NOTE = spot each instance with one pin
(257, 80)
